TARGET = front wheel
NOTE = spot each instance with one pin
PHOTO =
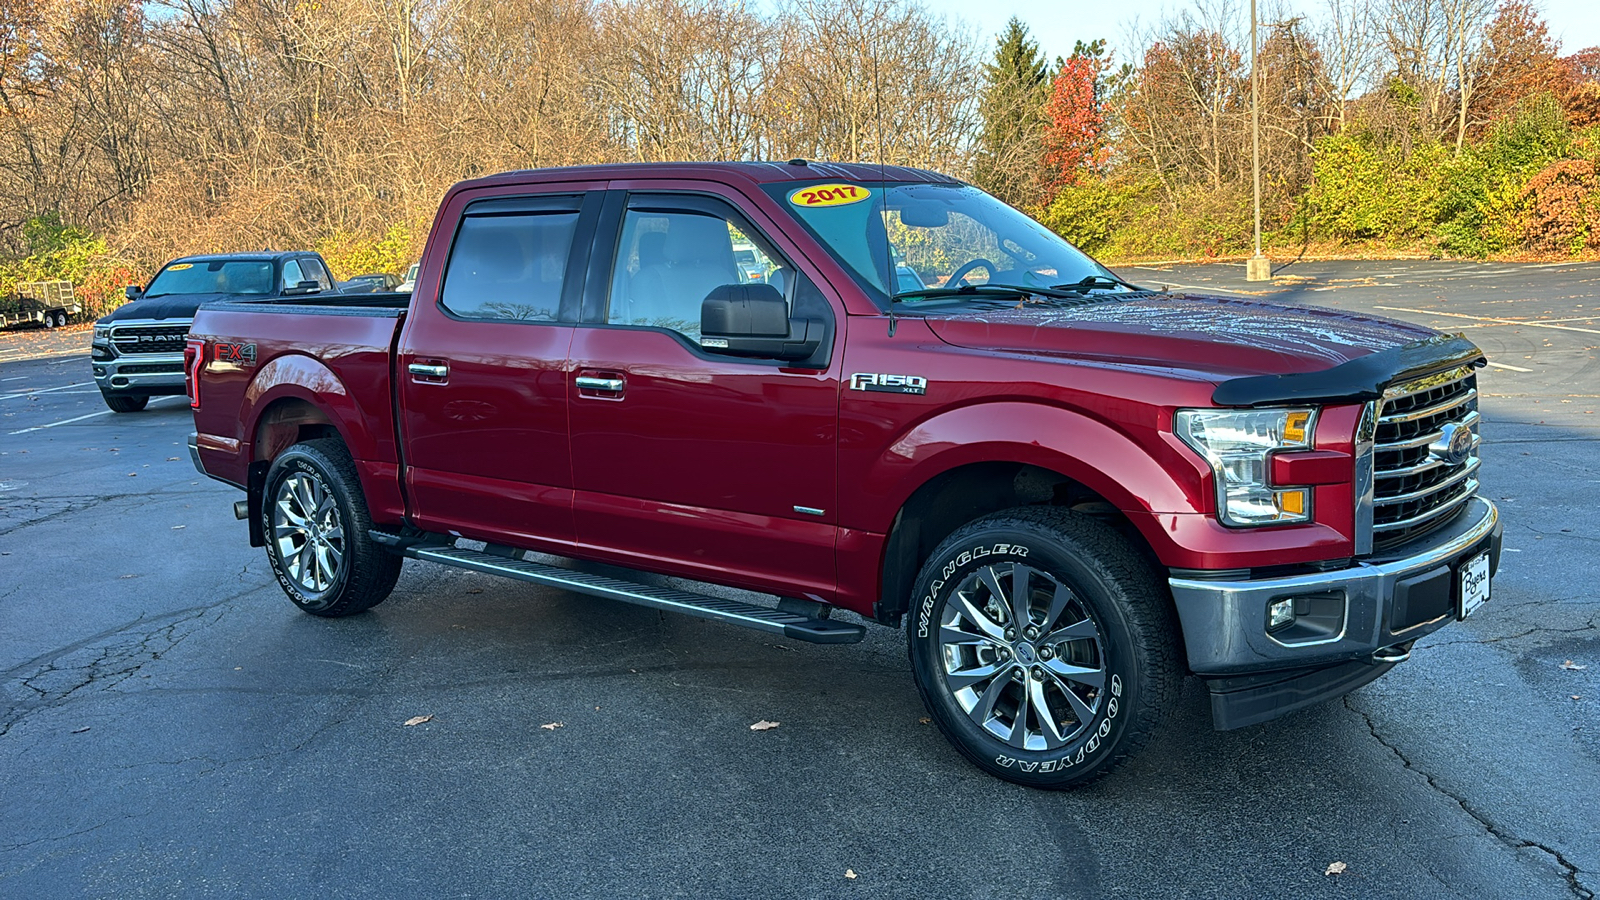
(316, 521)
(125, 403)
(1043, 646)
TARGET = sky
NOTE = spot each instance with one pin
(1056, 24)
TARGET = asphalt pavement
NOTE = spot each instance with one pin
(170, 726)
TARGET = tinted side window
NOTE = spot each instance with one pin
(668, 261)
(291, 273)
(315, 272)
(509, 266)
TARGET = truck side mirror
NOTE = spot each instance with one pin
(133, 292)
(753, 320)
(308, 286)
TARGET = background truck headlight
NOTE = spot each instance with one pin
(1237, 442)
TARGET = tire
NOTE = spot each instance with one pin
(1092, 682)
(316, 522)
(61, 319)
(49, 319)
(125, 403)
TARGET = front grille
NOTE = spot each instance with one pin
(1415, 490)
(151, 369)
(150, 338)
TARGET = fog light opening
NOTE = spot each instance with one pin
(1280, 614)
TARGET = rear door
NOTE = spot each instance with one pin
(481, 367)
(706, 465)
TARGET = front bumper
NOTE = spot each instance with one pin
(152, 374)
(1380, 604)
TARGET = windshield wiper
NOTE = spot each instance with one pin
(1090, 282)
(981, 290)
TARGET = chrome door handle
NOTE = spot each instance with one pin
(591, 383)
(429, 371)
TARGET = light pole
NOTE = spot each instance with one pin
(1259, 268)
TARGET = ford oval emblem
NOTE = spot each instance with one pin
(1453, 446)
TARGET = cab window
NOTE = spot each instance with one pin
(669, 259)
(509, 266)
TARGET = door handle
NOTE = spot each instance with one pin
(594, 383)
(428, 370)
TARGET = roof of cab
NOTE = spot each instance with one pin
(753, 172)
(258, 256)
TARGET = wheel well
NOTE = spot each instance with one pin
(954, 498)
(288, 422)
(285, 423)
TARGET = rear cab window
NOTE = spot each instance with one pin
(509, 260)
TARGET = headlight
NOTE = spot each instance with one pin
(1236, 442)
(102, 334)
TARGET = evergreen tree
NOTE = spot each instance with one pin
(1016, 86)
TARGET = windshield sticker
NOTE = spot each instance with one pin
(829, 195)
(180, 267)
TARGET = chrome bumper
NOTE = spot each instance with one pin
(1357, 611)
(125, 374)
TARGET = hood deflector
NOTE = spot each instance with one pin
(1355, 381)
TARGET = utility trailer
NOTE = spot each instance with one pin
(50, 303)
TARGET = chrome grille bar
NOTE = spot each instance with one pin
(1417, 488)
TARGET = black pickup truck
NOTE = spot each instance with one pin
(137, 350)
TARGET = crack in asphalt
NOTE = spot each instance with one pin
(1594, 623)
(102, 661)
(8, 848)
(1570, 870)
(36, 505)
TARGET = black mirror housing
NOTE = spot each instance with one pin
(753, 320)
(308, 286)
(133, 292)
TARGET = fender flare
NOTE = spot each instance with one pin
(305, 378)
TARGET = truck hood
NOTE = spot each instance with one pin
(1213, 337)
(166, 306)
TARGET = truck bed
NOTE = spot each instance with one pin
(333, 354)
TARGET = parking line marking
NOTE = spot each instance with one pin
(103, 412)
(42, 390)
(1429, 312)
(1495, 365)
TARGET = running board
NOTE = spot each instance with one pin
(761, 618)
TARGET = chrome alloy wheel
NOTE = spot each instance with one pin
(308, 532)
(1022, 656)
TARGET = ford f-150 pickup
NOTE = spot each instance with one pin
(910, 402)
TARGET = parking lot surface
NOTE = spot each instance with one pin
(171, 726)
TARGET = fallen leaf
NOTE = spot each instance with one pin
(475, 591)
(1569, 664)
(552, 726)
(1336, 868)
(924, 721)
(1577, 696)
(238, 668)
(127, 576)
(133, 474)
(80, 730)
(418, 720)
(179, 527)
(850, 873)
(172, 459)
(764, 725)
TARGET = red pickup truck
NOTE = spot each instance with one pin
(876, 389)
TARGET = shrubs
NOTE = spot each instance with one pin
(1360, 191)
(1562, 212)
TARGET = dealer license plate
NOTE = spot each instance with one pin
(1474, 584)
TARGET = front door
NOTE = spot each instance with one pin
(482, 371)
(709, 466)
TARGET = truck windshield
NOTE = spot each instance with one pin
(234, 276)
(931, 243)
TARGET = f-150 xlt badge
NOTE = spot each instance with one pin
(888, 384)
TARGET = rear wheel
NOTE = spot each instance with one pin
(316, 522)
(1043, 646)
(125, 403)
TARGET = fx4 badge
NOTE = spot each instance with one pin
(238, 354)
(888, 384)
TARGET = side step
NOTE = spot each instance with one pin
(773, 621)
